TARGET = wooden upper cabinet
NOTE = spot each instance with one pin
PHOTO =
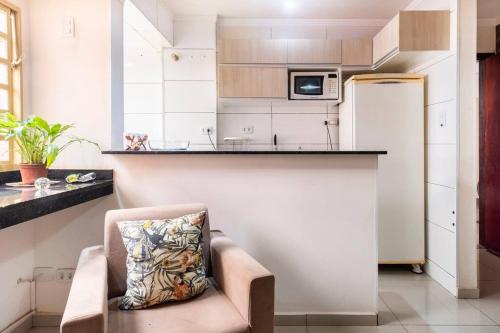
(252, 51)
(314, 51)
(413, 31)
(246, 81)
(357, 52)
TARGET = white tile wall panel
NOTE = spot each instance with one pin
(441, 123)
(231, 125)
(190, 96)
(441, 81)
(441, 248)
(247, 107)
(150, 124)
(195, 33)
(143, 98)
(299, 32)
(299, 107)
(441, 165)
(440, 208)
(145, 68)
(301, 128)
(333, 108)
(245, 147)
(187, 127)
(191, 65)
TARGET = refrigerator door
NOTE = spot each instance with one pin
(389, 115)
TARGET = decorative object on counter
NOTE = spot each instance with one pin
(81, 178)
(135, 141)
(42, 184)
(36, 140)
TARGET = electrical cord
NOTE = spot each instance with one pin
(210, 138)
(329, 135)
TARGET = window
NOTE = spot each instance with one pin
(10, 73)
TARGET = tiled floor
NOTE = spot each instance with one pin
(410, 303)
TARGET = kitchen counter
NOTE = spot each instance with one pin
(244, 152)
(18, 205)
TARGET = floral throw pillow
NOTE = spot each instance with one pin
(165, 260)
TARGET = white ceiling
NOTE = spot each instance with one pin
(305, 9)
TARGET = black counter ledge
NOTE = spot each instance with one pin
(18, 205)
(245, 152)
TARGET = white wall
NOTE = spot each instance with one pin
(441, 156)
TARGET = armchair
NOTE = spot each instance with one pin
(240, 297)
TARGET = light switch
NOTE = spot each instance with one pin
(442, 118)
(68, 26)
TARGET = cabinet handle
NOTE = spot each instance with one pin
(275, 140)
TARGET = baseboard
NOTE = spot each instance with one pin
(464, 293)
(41, 319)
(22, 325)
(326, 319)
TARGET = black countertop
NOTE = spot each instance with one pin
(18, 205)
(245, 152)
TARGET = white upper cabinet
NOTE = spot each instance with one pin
(410, 37)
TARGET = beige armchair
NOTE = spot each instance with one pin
(239, 299)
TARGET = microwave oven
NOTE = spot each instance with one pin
(314, 84)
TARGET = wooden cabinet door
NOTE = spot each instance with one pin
(357, 52)
(252, 51)
(266, 82)
(314, 51)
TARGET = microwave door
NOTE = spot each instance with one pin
(308, 85)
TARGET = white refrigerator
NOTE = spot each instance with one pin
(386, 112)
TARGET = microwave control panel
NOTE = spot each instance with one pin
(332, 85)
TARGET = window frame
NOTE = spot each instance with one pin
(14, 76)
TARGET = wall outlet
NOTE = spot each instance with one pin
(44, 274)
(247, 130)
(209, 130)
(65, 274)
(332, 122)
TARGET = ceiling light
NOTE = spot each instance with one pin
(290, 5)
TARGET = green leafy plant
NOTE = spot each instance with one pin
(36, 139)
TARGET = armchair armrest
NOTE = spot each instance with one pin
(248, 285)
(87, 306)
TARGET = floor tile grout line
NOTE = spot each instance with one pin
(387, 306)
(484, 314)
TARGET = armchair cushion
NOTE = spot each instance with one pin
(164, 261)
(211, 312)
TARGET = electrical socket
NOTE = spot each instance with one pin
(44, 274)
(209, 130)
(65, 274)
(247, 130)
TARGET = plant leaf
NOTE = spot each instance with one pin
(52, 152)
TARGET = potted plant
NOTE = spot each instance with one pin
(37, 143)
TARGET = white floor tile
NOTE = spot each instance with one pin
(356, 329)
(290, 329)
(425, 302)
(489, 303)
(385, 316)
(452, 329)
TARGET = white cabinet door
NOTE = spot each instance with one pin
(441, 248)
(300, 128)
(441, 202)
(441, 165)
